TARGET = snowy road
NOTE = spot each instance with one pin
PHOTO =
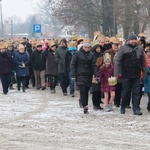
(38, 120)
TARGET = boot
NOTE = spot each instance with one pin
(85, 110)
(23, 86)
(80, 104)
(18, 84)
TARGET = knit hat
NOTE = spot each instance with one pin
(86, 42)
(132, 37)
(63, 40)
(107, 57)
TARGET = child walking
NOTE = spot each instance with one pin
(105, 72)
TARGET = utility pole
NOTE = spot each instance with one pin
(2, 31)
(11, 25)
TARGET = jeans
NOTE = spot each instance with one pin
(53, 81)
(84, 91)
(71, 82)
(63, 82)
(5, 79)
(129, 84)
(148, 105)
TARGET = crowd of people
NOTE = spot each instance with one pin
(112, 69)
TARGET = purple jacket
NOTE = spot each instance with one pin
(104, 75)
(6, 63)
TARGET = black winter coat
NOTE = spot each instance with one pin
(83, 67)
(131, 60)
(51, 65)
(6, 63)
(37, 61)
(96, 87)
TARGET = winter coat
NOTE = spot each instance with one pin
(19, 58)
(29, 49)
(132, 61)
(103, 49)
(83, 67)
(104, 74)
(96, 86)
(12, 53)
(107, 46)
(6, 63)
(60, 59)
(51, 65)
(37, 61)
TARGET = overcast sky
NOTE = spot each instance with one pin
(21, 8)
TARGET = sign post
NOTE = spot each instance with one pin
(37, 30)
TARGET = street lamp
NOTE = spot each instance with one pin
(1, 19)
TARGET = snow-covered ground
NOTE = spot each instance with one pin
(39, 120)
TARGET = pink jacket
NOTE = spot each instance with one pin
(104, 74)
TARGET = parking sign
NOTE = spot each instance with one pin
(37, 28)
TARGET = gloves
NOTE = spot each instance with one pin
(23, 65)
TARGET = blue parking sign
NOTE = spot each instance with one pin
(37, 28)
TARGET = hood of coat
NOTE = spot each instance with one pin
(94, 50)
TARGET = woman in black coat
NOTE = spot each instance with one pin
(6, 67)
(82, 69)
(51, 65)
(96, 85)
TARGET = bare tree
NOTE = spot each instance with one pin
(109, 15)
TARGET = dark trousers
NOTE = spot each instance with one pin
(141, 94)
(96, 98)
(127, 85)
(84, 91)
(5, 79)
(118, 94)
(23, 81)
(13, 79)
(30, 77)
(53, 81)
(63, 82)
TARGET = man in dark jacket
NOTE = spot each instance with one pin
(6, 67)
(38, 65)
(60, 59)
(131, 58)
(82, 69)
